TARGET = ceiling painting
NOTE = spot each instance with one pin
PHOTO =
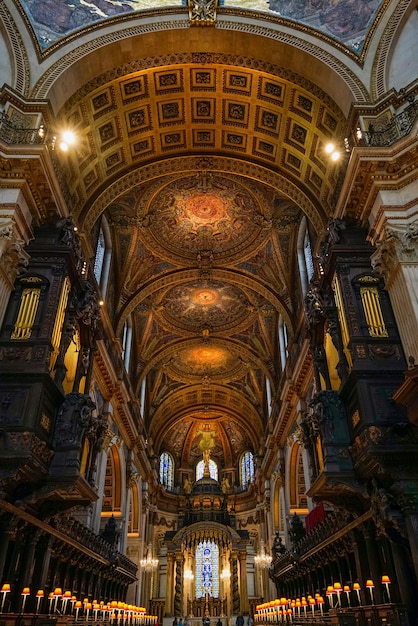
(205, 304)
(345, 20)
(204, 214)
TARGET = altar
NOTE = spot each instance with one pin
(199, 607)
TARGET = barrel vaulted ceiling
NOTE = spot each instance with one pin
(203, 150)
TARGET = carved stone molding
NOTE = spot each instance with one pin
(13, 258)
(202, 12)
(400, 246)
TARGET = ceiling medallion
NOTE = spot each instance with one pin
(212, 304)
(204, 216)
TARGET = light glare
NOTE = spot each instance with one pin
(69, 137)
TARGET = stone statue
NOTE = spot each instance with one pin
(187, 486)
(278, 546)
(225, 486)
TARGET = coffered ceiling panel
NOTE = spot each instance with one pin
(177, 110)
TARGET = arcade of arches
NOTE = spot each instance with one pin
(208, 320)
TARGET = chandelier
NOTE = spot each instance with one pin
(226, 573)
(262, 559)
(149, 564)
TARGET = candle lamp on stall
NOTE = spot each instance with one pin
(312, 603)
(65, 598)
(40, 594)
(304, 604)
(88, 609)
(337, 590)
(330, 591)
(356, 588)
(50, 601)
(370, 587)
(78, 605)
(57, 595)
(5, 590)
(347, 593)
(386, 581)
(320, 600)
(25, 594)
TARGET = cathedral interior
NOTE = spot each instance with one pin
(208, 311)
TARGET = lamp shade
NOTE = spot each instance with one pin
(25, 591)
(40, 593)
(5, 588)
(385, 580)
(356, 586)
(369, 583)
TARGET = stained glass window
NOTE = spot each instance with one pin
(99, 258)
(166, 470)
(247, 468)
(213, 470)
(207, 570)
(305, 259)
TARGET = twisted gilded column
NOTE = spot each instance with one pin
(178, 593)
(234, 586)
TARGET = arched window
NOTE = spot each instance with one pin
(246, 469)
(305, 259)
(133, 521)
(283, 341)
(213, 470)
(112, 495)
(127, 342)
(102, 257)
(268, 396)
(167, 470)
(207, 570)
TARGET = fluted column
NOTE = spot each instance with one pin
(396, 259)
(244, 582)
(169, 606)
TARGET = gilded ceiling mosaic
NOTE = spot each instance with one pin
(204, 212)
(345, 20)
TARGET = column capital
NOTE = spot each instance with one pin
(13, 256)
(399, 246)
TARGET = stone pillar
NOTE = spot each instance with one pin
(244, 583)
(169, 607)
(412, 528)
(396, 259)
